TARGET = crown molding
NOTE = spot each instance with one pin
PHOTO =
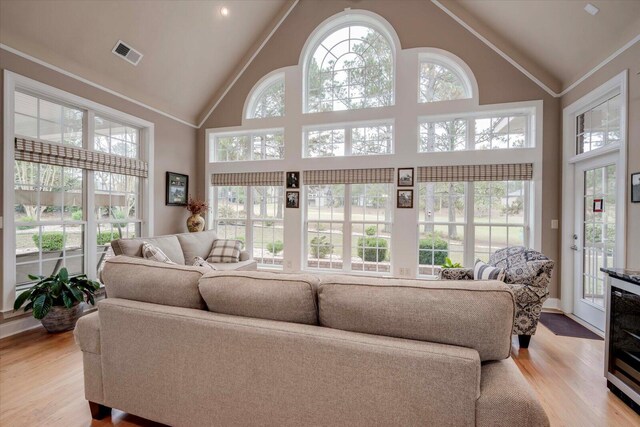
(249, 61)
(524, 70)
(93, 84)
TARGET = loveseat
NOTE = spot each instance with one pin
(185, 346)
(182, 249)
(528, 275)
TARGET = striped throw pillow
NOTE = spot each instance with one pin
(483, 271)
(225, 251)
(154, 253)
(200, 262)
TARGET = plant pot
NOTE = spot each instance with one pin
(195, 223)
(61, 319)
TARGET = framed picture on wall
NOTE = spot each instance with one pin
(292, 199)
(293, 179)
(405, 199)
(177, 189)
(635, 187)
(405, 177)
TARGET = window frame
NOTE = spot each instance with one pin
(259, 90)
(15, 82)
(212, 142)
(348, 137)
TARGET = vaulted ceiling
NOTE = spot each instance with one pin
(191, 51)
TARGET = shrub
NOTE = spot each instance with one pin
(275, 247)
(51, 241)
(437, 246)
(77, 215)
(107, 236)
(371, 230)
(372, 249)
(320, 247)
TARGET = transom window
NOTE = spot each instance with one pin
(254, 145)
(598, 126)
(269, 100)
(349, 140)
(441, 83)
(115, 138)
(351, 68)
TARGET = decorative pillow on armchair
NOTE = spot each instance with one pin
(154, 253)
(483, 271)
(225, 251)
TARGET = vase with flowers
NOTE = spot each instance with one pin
(197, 207)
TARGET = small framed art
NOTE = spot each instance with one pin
(405, 199)
(177, 189)
(635, 187)
(405, 177)
(293, 199)
(293, 179)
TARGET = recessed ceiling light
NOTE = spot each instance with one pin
(591, 9)
(224, 11)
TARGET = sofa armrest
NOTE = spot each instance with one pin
(87, 333)
(244, 256)
(526, 294)
(456, 274)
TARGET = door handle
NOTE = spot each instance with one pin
(574, 247)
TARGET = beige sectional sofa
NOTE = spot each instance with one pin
(182, 249)
(187, 347)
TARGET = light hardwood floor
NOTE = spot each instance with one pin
(41, 382)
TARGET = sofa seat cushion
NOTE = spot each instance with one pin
(477, 315)
(246, 265)
(151, 281)
(133, 247)
(262, 295)
(506, 399)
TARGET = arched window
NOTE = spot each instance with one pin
(267, 99)
(351, 67)
(441, 80)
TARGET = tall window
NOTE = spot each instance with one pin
(36, 117)
(440, 83)
(255, 216)
(350, 140)
(351, 68)
(116, 138)
(269, 100)
(598, 126)
(349, 227)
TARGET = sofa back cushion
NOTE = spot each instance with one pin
(477, 315)
(151, 281)
(262, 295)
(167, 244)
(196, 245)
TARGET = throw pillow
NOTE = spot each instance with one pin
(154, 253)
(225, 251)
(483, 271)
(200, 262)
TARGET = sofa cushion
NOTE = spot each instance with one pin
(199, 262)
(153, 253)
(151, 281)
(246, 265)
(196, 244)
(483, 271)
(262, 295)
(133, 247)
(225, 251)
(477, 315)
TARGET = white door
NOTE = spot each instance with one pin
(594, 238)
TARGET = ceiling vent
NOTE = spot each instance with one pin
(127, 53)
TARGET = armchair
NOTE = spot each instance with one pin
(528, 274)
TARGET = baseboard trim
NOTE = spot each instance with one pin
(22, 324)
(589, 326)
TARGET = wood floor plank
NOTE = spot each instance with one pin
(41, 382)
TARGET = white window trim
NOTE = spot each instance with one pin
(13, 81)
(454, 64)
(249, 133)
(258, 90)
(347, 127)
(618, 83)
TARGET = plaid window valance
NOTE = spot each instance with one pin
(504, 172)
(74, 157)
(349, 176)
(248, 178)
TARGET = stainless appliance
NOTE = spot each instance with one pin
(622, 336)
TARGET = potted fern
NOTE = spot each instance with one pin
(55, 300)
